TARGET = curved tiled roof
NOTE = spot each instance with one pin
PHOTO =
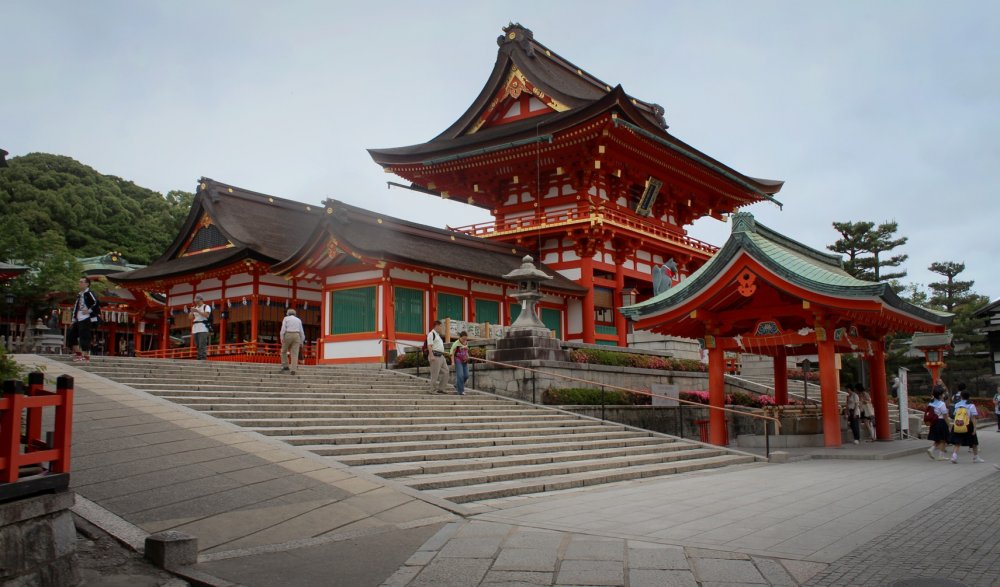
(257, 226)
(798, 264)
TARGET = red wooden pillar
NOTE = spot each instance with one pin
(880, 396)
(165, 329)
(389, 314)
(587, 281)
(62, 437)
(621, 325)
(828, 388)
(716, 394)
(781, 377)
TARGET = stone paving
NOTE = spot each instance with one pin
(267, 513)
(955, 539)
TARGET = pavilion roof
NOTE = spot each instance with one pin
(577, 96)
(255, 225)
(813, 274)
(376, 238)
(7, 270)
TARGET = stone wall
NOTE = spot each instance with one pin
(529, 386)
(38, 541)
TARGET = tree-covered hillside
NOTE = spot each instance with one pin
(45, 195)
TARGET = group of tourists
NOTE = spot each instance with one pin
(437, 357)
(954, 425)
(860, 411)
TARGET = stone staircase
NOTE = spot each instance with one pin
(463, 449)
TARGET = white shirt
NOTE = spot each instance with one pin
(198, 314)
(435, 342)
(291, 324)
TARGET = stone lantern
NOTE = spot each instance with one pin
(528, 338)
(528, 277)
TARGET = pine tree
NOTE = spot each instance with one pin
(880, 241)
(852, 243)
(950, 293)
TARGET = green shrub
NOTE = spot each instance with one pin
(9, 368)
(411, 359)
(585, 396)
(640, 361)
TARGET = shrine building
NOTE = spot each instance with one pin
(582, 174)
(355, 278)
(766, 294)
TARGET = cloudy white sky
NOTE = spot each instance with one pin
(869, 110)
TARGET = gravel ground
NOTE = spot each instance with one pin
(105, 562)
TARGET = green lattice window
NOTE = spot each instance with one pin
(409, 310)
(605, 329)
(553, 320)
(352, 310)
(487, 311)
(451, 306)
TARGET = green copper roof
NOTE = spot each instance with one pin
(793, 261)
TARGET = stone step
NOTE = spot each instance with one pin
(510, 488)
(400, 401)
(448, 420)
(231, 411)
(361, 455)
(513, 473)
(405, 426)
(455, 438)
(401, 469)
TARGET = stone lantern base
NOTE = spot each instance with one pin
(528, 344)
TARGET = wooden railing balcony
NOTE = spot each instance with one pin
(242, 352)
(574, 216)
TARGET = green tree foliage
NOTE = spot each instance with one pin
(950, 293)
(867, 249)
(879, 242)
(91, 212)
(852, 243)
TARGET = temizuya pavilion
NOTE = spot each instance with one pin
(766, 294)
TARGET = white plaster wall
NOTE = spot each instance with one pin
(352, 349)
(210, 284)
(571, 273)
(487, 288)
(268, 278)
(550, 258)
(570, 255)
(574, 316)
(359, 276)
(239, 278)
(272, 290)
(243, 290)
(450, 282)
(409, 275)
(180, 288)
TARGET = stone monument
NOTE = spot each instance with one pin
(528, 338)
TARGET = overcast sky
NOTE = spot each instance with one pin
(869, 110)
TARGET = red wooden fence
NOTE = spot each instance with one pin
(21, 436)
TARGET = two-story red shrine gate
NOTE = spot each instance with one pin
(766, 294)
(582, 174)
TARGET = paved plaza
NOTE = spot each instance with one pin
(266, 513)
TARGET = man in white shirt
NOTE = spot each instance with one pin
(200, 313)
(291, 339)
(435, 356)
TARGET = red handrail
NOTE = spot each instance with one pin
(13, 405)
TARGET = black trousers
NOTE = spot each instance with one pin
(80, 333)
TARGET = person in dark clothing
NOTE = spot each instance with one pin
(86, 314)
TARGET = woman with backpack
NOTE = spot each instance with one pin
(963, 431)
(936, 417)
